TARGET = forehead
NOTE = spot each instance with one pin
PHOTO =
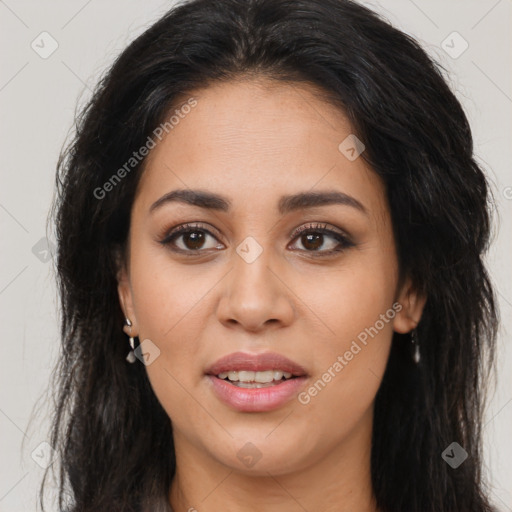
(254, 141)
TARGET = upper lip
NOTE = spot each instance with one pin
(255, 362)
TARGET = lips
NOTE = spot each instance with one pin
(240, 361)
(245, 397)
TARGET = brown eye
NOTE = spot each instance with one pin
(191, 239)
(314, 238)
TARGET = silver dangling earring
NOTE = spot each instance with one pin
(131, 355)
(415, 346)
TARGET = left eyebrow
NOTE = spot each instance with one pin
(305, 200)
(286, 204)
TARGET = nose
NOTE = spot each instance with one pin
(255, 295)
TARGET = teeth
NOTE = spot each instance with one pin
(250, 385)
(246, 376)
(264, 377)
(277, 374)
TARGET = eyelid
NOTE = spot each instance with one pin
(188, 226)
(319, 226)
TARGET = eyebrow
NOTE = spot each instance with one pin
(286, 204)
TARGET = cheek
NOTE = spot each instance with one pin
(169, 306)
(355, 305)
(169, 312)
(167, 295)
(348, 374)
(349, 299)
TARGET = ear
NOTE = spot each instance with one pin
(125, 293)
(408, 317)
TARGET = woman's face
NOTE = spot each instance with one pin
(242, 279)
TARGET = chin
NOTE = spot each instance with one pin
(259, 455)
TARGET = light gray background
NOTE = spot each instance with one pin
(38, 98)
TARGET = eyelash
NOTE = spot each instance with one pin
(343, 240)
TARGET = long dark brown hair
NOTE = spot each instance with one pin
(112, 436)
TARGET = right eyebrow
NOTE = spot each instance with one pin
(198, 198)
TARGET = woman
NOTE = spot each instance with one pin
(271, 230)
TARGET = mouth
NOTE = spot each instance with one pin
(256, 367)
(255, 382)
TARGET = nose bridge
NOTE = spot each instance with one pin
(251, 266)
(254, 294)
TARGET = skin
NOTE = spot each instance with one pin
(254, 141)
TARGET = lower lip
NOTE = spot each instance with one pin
(256, 399)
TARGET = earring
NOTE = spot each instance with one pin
(415, 346)
(131, 355)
